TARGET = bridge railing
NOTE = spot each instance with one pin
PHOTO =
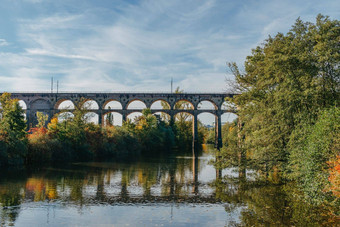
(112, 92)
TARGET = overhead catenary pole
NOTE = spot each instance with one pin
(57, 86)
(171, 83)
(51, 84)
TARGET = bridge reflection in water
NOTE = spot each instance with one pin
(146, 190)
(173, 179)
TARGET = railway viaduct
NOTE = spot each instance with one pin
(48, 103)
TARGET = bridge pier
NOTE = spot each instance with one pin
(100, 117)
(124, 117)
(218, 131)
(195, 144)
(172, 118)
(49, 102)
(28, 118)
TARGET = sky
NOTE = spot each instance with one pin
(116, 45)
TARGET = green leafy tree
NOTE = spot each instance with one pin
(42, 119)
(13, 142)
(310, 158)
(182, 127)
(153, 133)
(287, 81)
(109, 119)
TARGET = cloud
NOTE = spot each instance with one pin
(140, 46)
(33, 1)
(3, 42)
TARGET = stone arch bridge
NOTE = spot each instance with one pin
(48, 103)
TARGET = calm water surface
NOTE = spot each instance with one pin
(172, 191)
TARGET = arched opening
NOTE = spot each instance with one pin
(136, 105)
(184, 130)
(183, 105)
(65, 116)
(207, 119)
(113, 118)
(133, 116)
(206, 105)
(35, 122)
(65, 105)
(183, 117)
(229, 125)
(38, 105)
(163, 116)
(91, 117)
(208, 122)
(160, 105)
(113, 105)
(228, 106)
(23, 104)
(228, 117)
(90, 105)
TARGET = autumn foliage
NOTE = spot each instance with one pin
(334, 177)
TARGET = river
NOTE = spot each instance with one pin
(175, 190)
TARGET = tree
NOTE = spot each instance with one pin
(12, 131)
(42, 118)
(12, 115)
(109, 118)
(182, 126)
(313, 161)
(287, 81)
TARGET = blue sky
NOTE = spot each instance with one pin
(137, 45)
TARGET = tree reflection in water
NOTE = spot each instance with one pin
(157, 181)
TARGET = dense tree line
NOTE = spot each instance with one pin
(75, 139)
(288, 115)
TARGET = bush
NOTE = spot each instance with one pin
(310, 162)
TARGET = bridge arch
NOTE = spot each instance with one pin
(133, 115)
(38, 105)
(227, 106)
(91, 117)
(157, 104)
(136, 104)
(90, 104)
(62, 116)
(117, 118)
(207, 105)
(22, 103)
(184, 104)
(183, 116)
(112, 104)
(163, 116)
(228, 117)
(64, 104)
